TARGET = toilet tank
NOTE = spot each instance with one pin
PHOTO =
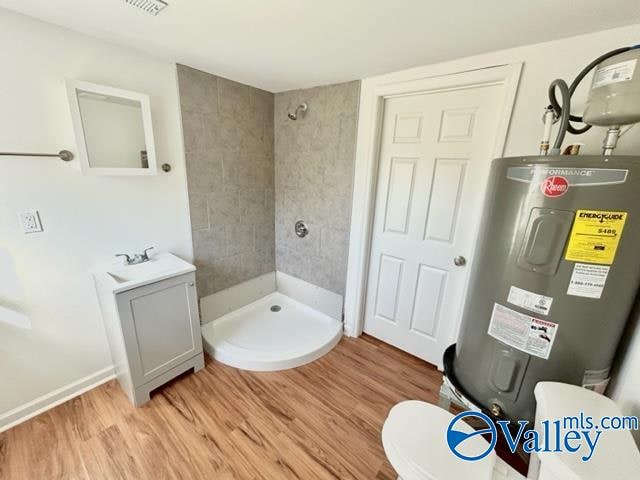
(615, 455)
(555, 274)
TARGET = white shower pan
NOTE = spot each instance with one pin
(261, 337)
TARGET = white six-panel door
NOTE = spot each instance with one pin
(435, 153)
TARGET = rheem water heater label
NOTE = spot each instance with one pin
(528, 334)
(595, 236)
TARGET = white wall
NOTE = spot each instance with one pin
(543, 63)
(86, 219)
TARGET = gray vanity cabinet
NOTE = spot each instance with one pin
(160, 326)
(154, 333)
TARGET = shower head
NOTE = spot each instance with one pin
(301, 108)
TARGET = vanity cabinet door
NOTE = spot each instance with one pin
(161, 326)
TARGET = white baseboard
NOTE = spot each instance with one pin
(324, 301)
(220, 303)
(52, 399)
(349, 331)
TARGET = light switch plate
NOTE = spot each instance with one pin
(30, 221)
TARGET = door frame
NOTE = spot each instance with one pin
(373, 92)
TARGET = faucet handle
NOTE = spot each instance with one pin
(145, 254)
(127, 258)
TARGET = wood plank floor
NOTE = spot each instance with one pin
(320, 421)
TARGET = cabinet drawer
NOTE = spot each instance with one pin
(160, 325)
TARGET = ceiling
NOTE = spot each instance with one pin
(280, 45)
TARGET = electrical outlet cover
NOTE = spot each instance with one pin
(30, 221)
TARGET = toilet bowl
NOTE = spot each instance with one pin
(415, 443)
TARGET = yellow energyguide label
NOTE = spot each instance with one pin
(595, 236)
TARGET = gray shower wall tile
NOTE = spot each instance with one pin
(198, 90)
(257, 263)
(332, 279)
(240, 239)
(193, 130)
(264, 236)
(337, 178)
(227, 272)
(209, 246)
(342, 99)
(224, 133)
(347, 141)
(314, 165)
(224, 208)
(228, 136)
(270, 202)
(248, 170)
(253, 207)
(293, 263)
(325, 135)
(204, 172)
(199, 212)
(308, 168)
(333, 243)
(298, 205)
(254, 140)
(262, 104)
(204, 281)
(233, 98)
(336, 209)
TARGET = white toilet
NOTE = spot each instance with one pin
(414, 440)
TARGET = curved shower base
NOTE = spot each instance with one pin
(262, 337)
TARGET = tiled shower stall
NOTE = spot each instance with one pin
(252, 173)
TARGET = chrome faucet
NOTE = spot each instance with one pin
(137, 258)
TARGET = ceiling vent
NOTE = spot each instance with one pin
(154, 7)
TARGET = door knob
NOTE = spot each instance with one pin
(459, 261)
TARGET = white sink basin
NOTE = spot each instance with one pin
(119, 277)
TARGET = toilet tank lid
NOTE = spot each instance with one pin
(615, 454)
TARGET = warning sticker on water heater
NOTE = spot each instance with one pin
(595, 236)
(528, 334)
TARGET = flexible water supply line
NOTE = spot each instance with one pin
(548, 119)
(583, 73)
(564, 112)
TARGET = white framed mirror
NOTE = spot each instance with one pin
(113, 129)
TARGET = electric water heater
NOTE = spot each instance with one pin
(555, 275)
(557, 265)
